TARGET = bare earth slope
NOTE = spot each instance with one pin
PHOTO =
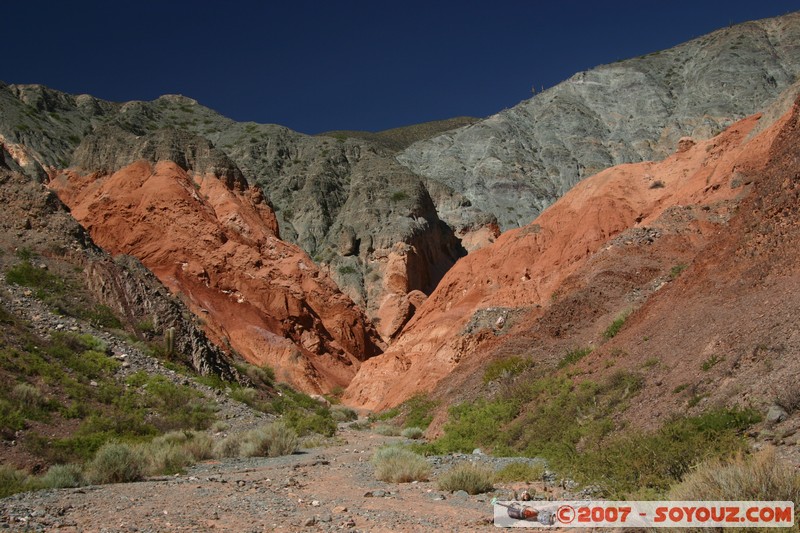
(549, 275)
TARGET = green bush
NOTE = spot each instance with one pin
(418, 411)
(385, 415)
(117, 462)
(13, 481)
(398, 465)
(398, 196)
(635, 461)
(229, 446)
(63, 477)
(469, 477)
(166, 458)
(710, 363)
(505, 368)
(612, 330)
(175, 406)
(412, 433)
(761, 477)
(305, 423)
(387, 430)
(573, 356)
(675, 271)
(28, 396)
(199, 445)
(520, 471)
(269, 441)
(27, 275)
(343, 414)
(104, 317)
(476, 424)
(246, 395)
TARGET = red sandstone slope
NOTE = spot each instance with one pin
(558, 257)
(215, 244)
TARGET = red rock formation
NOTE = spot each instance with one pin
(526, 269)
(215, 244)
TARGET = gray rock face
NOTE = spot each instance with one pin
(340, 199)
(519, 161)
(131, 290)
(110, 148)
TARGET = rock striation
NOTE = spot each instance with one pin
(185, 210)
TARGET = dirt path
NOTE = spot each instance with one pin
(323, 489)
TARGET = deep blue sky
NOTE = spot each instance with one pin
(338, 64)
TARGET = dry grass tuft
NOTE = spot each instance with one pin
(398, 465)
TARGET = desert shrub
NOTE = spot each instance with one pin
(469, 477)
(343, 414)
(710, 363)
(174, 406)
(760, 477)
(260, 375)
(117, 462)
(219, 426)
(28, 396)
(412, 433)
(633, 461)
(13, 481)
(789, 397)
(316, 441)
(63, 476)
(538, 418)
(103, 316)
(398, 465)
(164, 457)
(387, 430)
(172, 438)
(229, 446)
(612, 330)
(199, 445)
(398, 196)
(418, 411)
(505, 368)
(573, 356)
(520, 471)
(385, 415)
(269, 441)
(675, 271)
(476, 424)
(305, 423)
(27, 275)
(245, 395)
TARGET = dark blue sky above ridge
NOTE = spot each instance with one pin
(317, 66)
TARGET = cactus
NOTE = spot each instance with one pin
(169, 340)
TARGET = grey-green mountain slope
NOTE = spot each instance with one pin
(517, 162)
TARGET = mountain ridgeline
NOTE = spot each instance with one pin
(314, 254)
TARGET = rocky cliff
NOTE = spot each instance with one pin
(519, 161)
(186, 211)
